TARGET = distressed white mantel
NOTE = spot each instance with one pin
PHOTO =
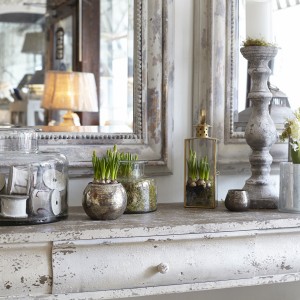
(200, 249)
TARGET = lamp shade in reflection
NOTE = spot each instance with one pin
(34, 43)
(71, 91)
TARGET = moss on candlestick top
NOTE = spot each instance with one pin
(257, 42)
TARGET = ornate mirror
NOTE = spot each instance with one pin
(216, 80)
(272, 22)
(148, 64)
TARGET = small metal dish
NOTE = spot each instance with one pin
(237, 200)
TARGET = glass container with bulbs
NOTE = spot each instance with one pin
(141, 190)
(33, 184)
(200, 163)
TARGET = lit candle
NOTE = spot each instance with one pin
(259, 19)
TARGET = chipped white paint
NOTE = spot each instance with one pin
(25, 269)
(199, 250)
(106, 266)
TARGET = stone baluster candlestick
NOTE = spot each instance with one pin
(260, 131)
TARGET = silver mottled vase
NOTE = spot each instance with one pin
(104, 201)
(260, 131)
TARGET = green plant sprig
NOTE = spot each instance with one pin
(198, 169)
(192, 164)
(106, 168)
(125, 169)
(203, 169)
(113, 162)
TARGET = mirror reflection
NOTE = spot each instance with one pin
(116, 64)
(275, 21)
(22, 52)
(28, 52)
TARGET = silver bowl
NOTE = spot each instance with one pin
(237, 200)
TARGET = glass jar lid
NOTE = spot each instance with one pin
(23, 140)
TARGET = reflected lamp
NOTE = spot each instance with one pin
(71, 91)
(34, 43)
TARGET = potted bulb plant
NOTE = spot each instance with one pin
(105, 198)
(141, 191)
(199, 187)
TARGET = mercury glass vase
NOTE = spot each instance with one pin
(260, 133)
(104, 201)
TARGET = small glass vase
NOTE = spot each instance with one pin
(289, 191)
(141, 191)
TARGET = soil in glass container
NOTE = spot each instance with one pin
(200, 195)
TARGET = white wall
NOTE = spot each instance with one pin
(170, 188)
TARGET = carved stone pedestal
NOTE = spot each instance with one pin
(260, 131)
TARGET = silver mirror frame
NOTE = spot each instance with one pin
(216, 49)
(153, 106)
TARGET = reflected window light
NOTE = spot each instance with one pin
(116, 60)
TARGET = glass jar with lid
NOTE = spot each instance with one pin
(33, 184)
(141, 190)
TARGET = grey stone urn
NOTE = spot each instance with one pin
(260, 131)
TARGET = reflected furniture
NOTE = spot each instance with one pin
(27, 112)
(149, 130)
(172, 250)
(71, 91)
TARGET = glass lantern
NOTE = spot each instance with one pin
(141, 190)
(200, 154)
(33, 184)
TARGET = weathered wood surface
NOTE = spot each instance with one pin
(201, 249)
(167, 220)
